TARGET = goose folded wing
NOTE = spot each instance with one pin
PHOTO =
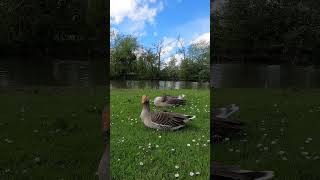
(167, 119)
(175, 101)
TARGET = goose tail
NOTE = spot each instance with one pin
(181, 96)
(234, 172)
(267, 175)
(189, 117)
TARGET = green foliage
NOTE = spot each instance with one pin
(123, 58)
(41, 24)
(131, 61)
(244, 28)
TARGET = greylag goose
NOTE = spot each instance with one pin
(222, 123)
(162, 120)
(167, 101)
(220, 171)
(226, 112)
(103, 169)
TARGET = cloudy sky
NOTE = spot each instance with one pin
(155, 20)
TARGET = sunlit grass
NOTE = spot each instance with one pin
(282, 131)
(141, 153)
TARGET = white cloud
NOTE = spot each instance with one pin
(134, 15)
(178, 57)
(161, 6)
(193, 27)
(138, 52)
(140, 34)
(119, 9)
(135, 10)
(203, 37)
(169, 45)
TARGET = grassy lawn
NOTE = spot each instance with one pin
(57, 135)
(141, 153)
(282, 131)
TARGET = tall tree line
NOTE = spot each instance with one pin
(130, 60)
(278, 30)
(45, 24)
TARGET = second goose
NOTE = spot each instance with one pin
(167, 101)
(162, 120)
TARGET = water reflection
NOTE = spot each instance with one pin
(23, 72)
(117, 84)
(268, 76)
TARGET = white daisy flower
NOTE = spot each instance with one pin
(281, 152)
(176, 175)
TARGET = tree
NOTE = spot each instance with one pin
(159, 50)
(256, 28)
(122, 55)
(181, 47)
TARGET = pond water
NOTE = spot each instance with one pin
(264, 76)
(23, 72)
(116, 84)
(79, 73)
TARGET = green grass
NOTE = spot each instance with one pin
(285, 116)
(130, 139)
(58, 136)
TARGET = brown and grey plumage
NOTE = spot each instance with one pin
(103, 169)
(162, 120)
(226, 172)
(168, 101)
(225, 127)
(226, 112)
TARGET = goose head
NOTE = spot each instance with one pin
(157, 100)
(145, 99)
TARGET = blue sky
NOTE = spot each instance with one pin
(154, 20)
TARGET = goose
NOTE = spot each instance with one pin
(226, 112)
(167, 101)
(103, 169)
(225, 126)
(220, 171)
(162, 120)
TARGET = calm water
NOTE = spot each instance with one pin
(79, 73)
(158, 84)
(264, 76)
(84, 73)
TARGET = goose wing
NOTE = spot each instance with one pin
(175, 101)
(226, 111)
(234, 172)
(168, 119)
